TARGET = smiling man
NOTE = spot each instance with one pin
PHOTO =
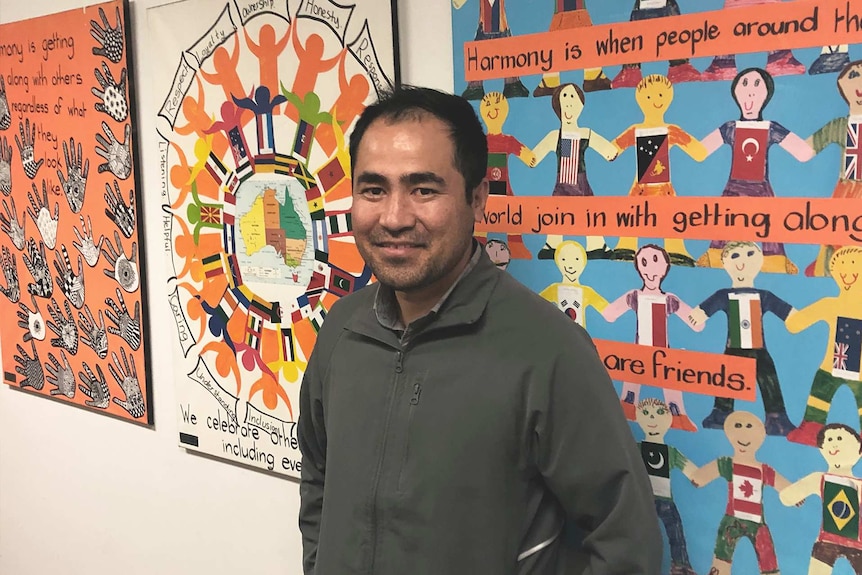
(451, 420)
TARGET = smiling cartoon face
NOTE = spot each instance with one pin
(652, 263)
(571, 105)
(654, 94)
(498, 252)
(839, 446)
(745, 432)
(742, 261)
(571, 259)
(846, 269)
(493, 109)
(751, 93)
(850, 86)
(654, 417)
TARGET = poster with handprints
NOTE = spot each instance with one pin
(70, 249)
(255, 99)
(714, 253)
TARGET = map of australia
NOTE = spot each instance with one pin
(272, 223)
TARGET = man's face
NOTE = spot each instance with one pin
(750, 93)
(654, 419)
(840, 449)
(654, 98)
(411, 220)
(498, 252)
(745, 432)
(652, 267)
(846, 269)
(570, 106)
(571, 261)
(494, 109)
(743, 263)
(851, 86)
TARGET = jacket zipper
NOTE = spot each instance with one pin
(376, 484)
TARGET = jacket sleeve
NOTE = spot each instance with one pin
(588, 458)
(311, 432)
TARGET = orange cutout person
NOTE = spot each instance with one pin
(225, 74)
(311, 62)
(267, 52)
(350, 103)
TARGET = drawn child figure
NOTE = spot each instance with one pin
(831, 59)
(746, 479)
(678, 70)
(494, 109)
(744, 305)
(652, 306)
(570, 15)
(570, 296)
(492, 24)
(839, 493)
(571, 142)
(845, 132)
(841, 362)
(660, 459)
(750, 138)
(498, 252)
(653, 139)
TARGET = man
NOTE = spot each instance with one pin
(448, 415)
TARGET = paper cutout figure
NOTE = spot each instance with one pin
(746, 479)
(652, 306)
(839, 491)
(841, 362)
(745, 307)
(571, 142)
(653, 138)
(750, 138)
(570, 296)
(498, 252)
(654, 418)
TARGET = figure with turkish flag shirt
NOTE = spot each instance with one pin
(750, 138)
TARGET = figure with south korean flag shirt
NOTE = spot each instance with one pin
(746, 479)
(750, 138)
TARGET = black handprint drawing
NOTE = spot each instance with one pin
(94, 388)
(61, 376)
(128, 380)
(31, 320)
(112, 94)
(5, 115)
(11, 226)
(64, 327)
(70, 283)
(85, 243)
(118, 157)
(29, 367)
(123, 270)
(125, 326)
(76, 184)
(41, 215)
(5, 166)
(94, 335)
(37, 264)
(10, 272)
(121, 214)
(110, 37)
(25, 148)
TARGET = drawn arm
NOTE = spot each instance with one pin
(822, 309)
(603, 147)
(527, 156)
(625, 140)
(617, 308)
(706, 474)
(796, 493)
(713, 142)
(689, 469)
(684, 313)
(797, 147)
(690, 145)
(545, 146)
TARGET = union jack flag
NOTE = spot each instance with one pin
(839, 358)
(852, 153)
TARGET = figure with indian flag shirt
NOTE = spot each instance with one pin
(746, 479)
(841, 362)
(750, 138)
(570, 296)
(745, 307)
(653, 307)
(839, 493)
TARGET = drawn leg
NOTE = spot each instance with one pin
(783, 63)
(629, 399)
(669, 515)
(764, 550)
(832, 59)
(722, 68)
(823, 389)
(681, 420)
(679, 256)
(777, 422)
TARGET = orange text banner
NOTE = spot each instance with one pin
(796, 24)
(785, 220)
(713, 374)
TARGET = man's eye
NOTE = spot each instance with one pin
(372, 191)
(425, 191)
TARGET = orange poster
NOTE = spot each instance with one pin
(71, 247)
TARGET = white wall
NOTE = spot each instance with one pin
(82, 493)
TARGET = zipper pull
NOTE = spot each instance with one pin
(417, 391)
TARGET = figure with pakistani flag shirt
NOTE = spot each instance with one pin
(750, 138)
(652, 307)
(841, 362)
(746, 479)
(839, 493)
(745, 307)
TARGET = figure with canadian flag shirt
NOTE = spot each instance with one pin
(750, 138)
(652, 306)
(745, 307)
(844, 132)
(746, 479)
(841, 362)
(839, 493)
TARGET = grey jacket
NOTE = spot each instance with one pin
(466, 450)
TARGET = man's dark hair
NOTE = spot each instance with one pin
(821, 435)
(767, 79)
(414, 103)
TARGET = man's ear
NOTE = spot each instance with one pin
(480, 198)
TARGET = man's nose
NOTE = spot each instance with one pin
(397, 212)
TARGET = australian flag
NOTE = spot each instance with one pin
(847, 355)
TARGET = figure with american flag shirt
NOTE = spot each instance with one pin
(841, 362)
(844, 132)
(746, 479)
(745, 307)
